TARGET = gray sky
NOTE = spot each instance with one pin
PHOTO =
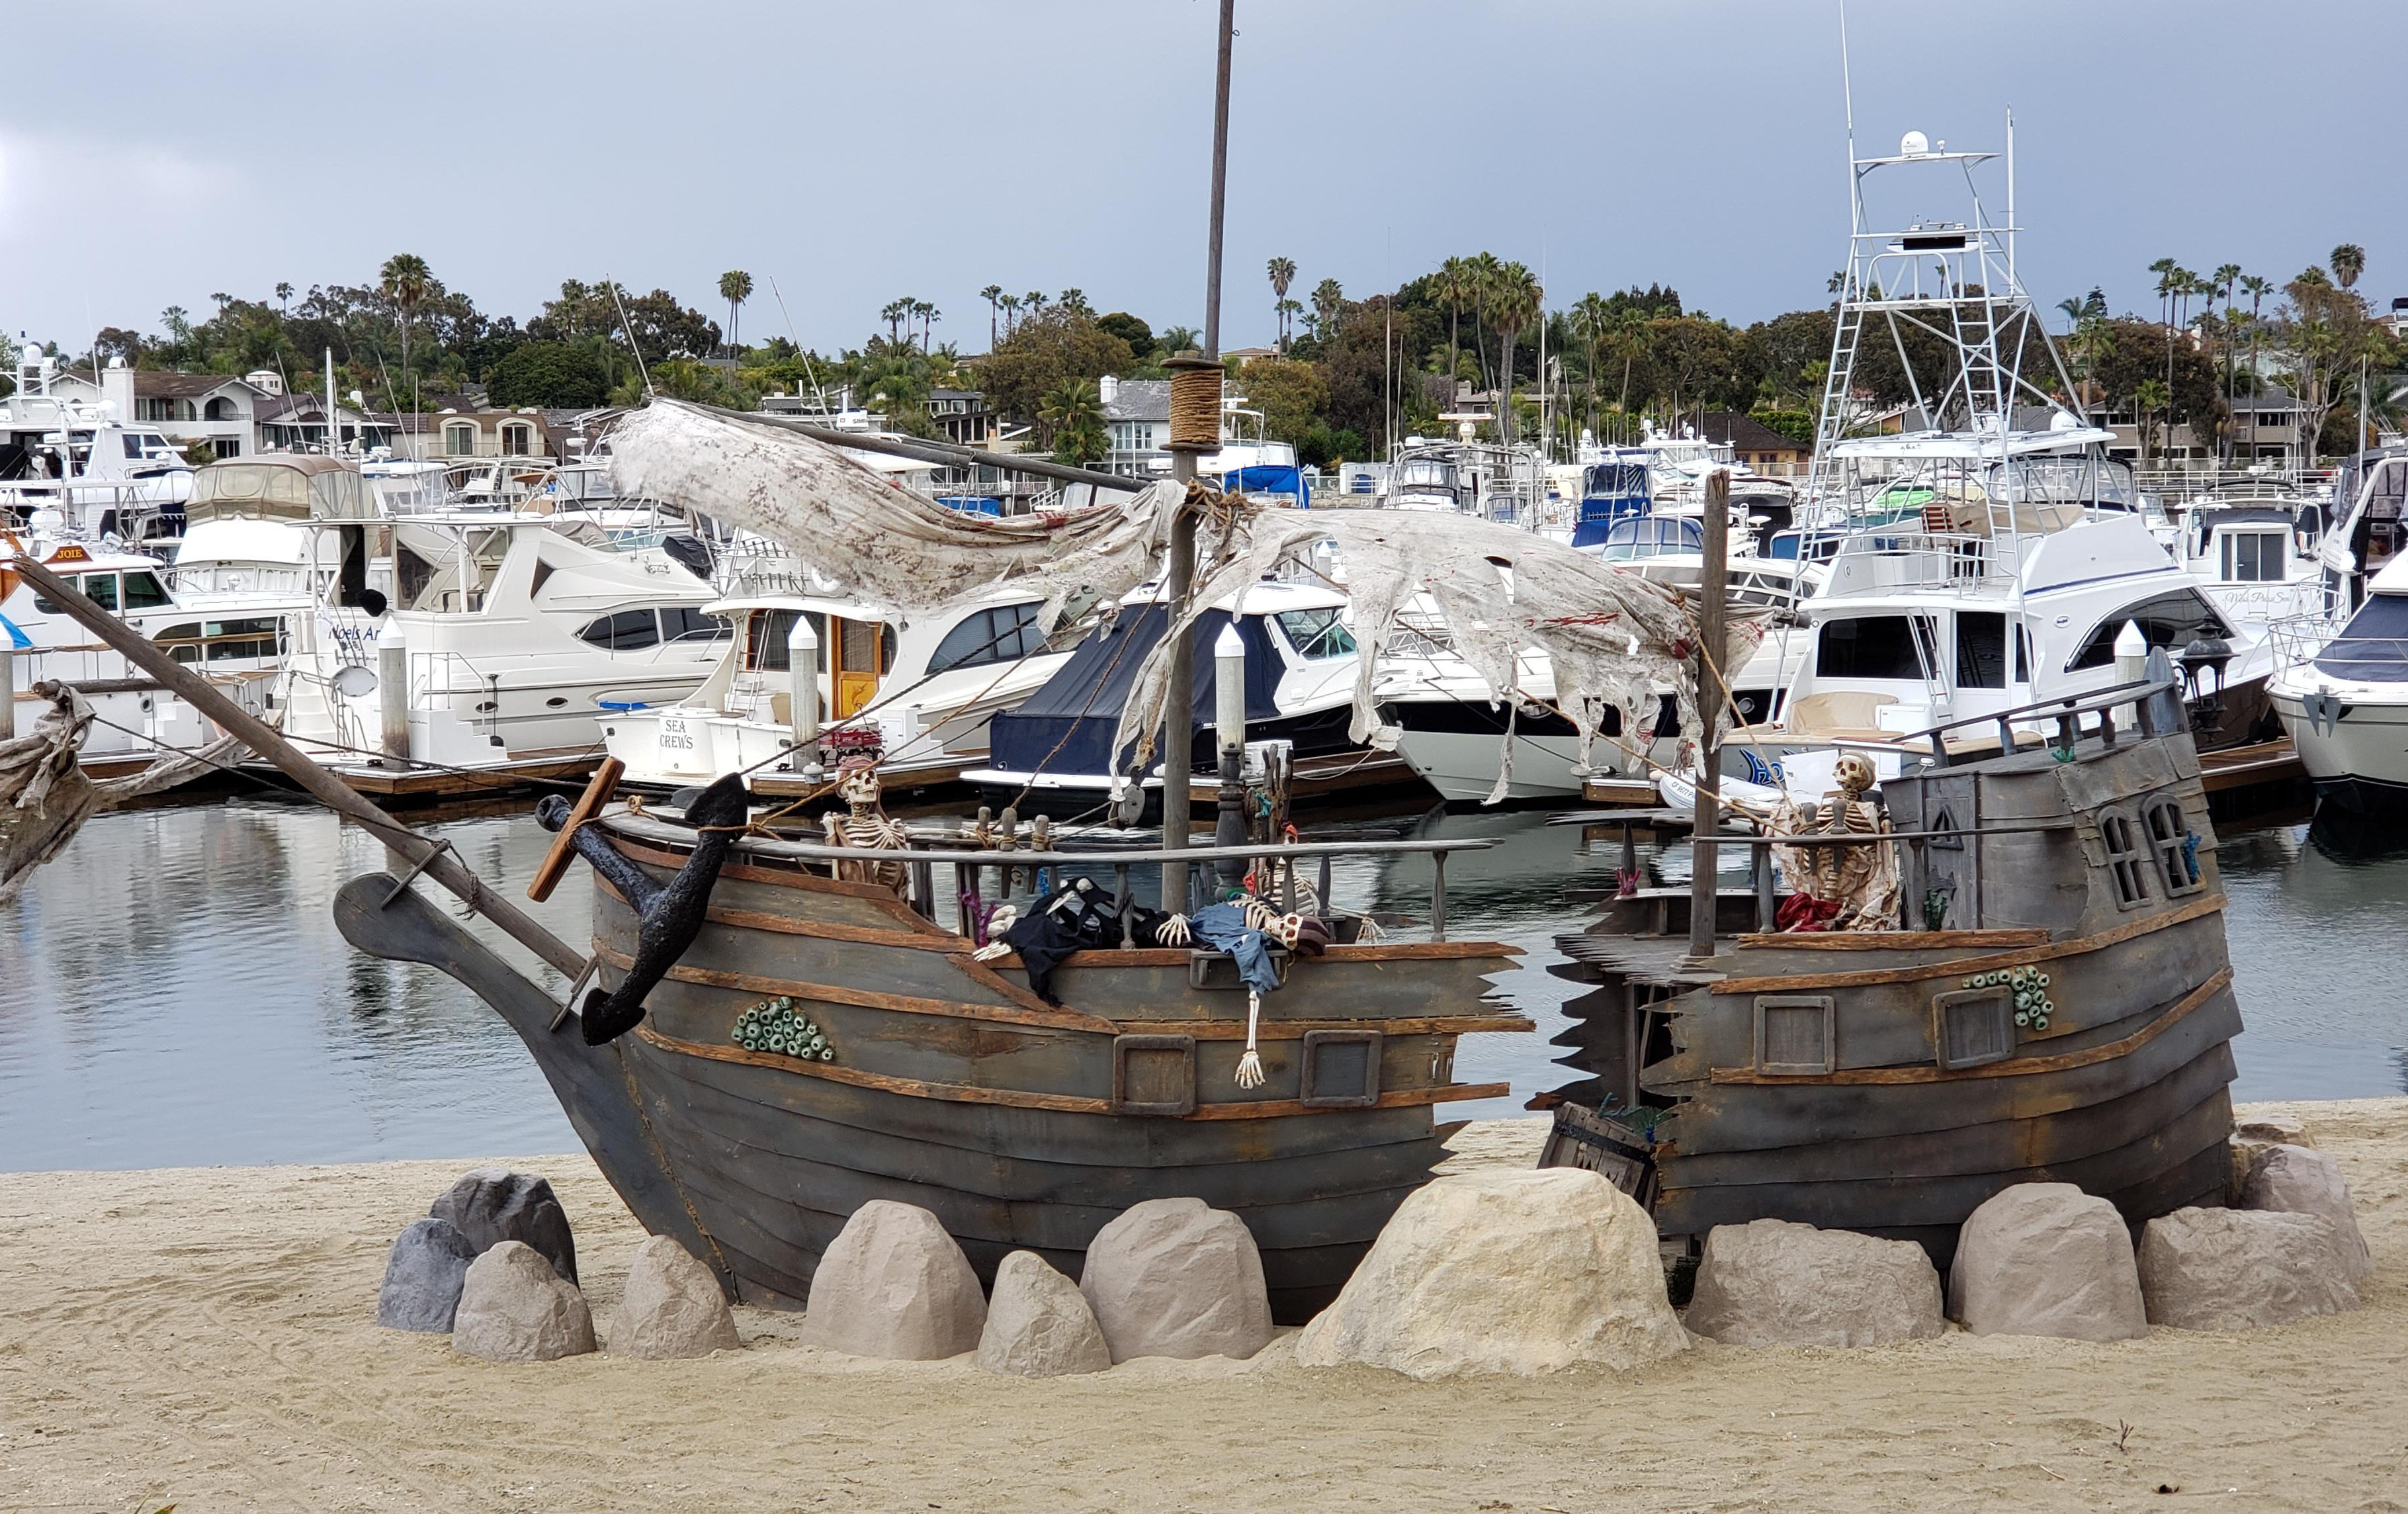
(152, 154)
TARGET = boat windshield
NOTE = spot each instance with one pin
(2373, 647)
(1603, 480)
(1316, 634)
(1653, 536)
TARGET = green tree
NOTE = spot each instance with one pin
(735, 287)
(1454, 285)
(1282, 271)
(1073, 416)
(1047, 347)
(1129, 330)
(551, 374)
(2150, 399)
(1515, 300)
(2347, 262)
(404, 279)
(1327, 297)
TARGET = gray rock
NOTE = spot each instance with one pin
(2294, 1179)
(494, 1205)
(1500, 1270)
(2046, 1259)
(673, 1307)
(2243, 1269)
(2250, 1137)
(894, 1284)
(1178, 1278)
(1037, 1323)
(423, 1275)
(514, 1307)
(1775, 1283)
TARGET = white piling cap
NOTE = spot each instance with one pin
(803, 635)
(1230, 643)
(2130, 642)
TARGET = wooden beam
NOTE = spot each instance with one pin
(1808, 982)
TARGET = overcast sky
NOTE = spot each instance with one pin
(150, 155)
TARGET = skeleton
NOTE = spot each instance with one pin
(866, 827)
(1862, 881)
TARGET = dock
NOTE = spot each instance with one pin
(399, 782)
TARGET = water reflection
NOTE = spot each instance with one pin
(173, 992)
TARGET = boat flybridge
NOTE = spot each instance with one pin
(496, 637)
(918, 691)
(74, 468)
(1993, 558)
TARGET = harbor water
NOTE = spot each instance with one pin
(173, 991)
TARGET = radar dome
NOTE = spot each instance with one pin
(1913, 145)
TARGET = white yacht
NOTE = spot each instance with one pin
(73, 468)
(2253, 549)
(919, 691)
(2344, 699)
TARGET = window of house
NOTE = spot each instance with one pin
(2126, 860)
(2172, 621)
(460, 441)
(1000, 633)
(2170, 838)
(629, 631)
(517, 441)
(1874, 646)
(143, 591)
(1316, 634)
(220, 409)
(2253, 556)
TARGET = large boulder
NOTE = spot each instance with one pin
(894, 1284)
(515, 1307)
(2046, 1259)
(2294, 1179)
(1178, 1278)
(1507, 1272)
(2244, 1269)
(1771, 1282)
(673, 1306)
(2251, 1136)
(422, 1273)
(494, 1205)
(1037, 1323)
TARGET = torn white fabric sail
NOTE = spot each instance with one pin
(870, 537)
(1615, 637)
(44, 797)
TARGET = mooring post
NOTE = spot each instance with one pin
(7, 693)
(1229, 746)
(1703, 856)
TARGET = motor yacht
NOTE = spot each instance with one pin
(2343, 697)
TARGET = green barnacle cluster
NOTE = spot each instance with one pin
(2033, 1005)
(773, 1025)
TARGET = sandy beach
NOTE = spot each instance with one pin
(204, 1337)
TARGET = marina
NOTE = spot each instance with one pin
(643, 904)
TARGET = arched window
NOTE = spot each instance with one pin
(2127, 861)
(460, 440)
(2176, 847)
(221, 409)
(518, 439)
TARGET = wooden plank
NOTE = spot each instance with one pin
(1742, 1118)
(968, 1093)
(1941, 1200)
(1053, 1018)
(2011, 1067)
(1893, 939)
(555, 862)
(2131, 929)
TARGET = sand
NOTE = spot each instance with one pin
(204, 1337)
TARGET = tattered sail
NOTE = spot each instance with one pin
(1615, 637)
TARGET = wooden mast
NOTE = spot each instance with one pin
(1703, 853)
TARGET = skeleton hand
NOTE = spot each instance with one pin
(1173, 932)
(1250, 1066)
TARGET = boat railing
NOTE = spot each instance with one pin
(2141, 695)
(2299, 639)
(922, 853)
(1887, 558)
(2311, 639)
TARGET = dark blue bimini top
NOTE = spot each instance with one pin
(1065, 727)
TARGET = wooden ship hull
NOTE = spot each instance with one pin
(1879, 1081)
(950, 1084)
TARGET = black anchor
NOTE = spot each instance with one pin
(667, 916)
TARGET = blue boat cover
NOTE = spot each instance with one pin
(1270, 478)
(972, 504)
(1065, 727)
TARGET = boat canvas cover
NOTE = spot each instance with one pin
(2373, 647)
(1065, 727)
(1280, 479)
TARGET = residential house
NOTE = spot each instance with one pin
(451, 431)
(2264, 428)
(1243, 355)
(1753, 444)
(185, 407)
(962, 416)
(1136, 420)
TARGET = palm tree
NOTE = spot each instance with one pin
(1484, 270)
(2148, 399)
(2165, 269)
(735, 287)
(1283, 273)
(283, 295)
(894, 313)
(1455, 282)
(2348, 261)
(1282, 310)
(1178, 339)
(1010, 303)
(2257, 287)
(1591, 319)
(928, 316)
(404, 279)
(1073, 411)
(1327, 297)
(993, 295)
(1033, 301)
(1515, 300)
